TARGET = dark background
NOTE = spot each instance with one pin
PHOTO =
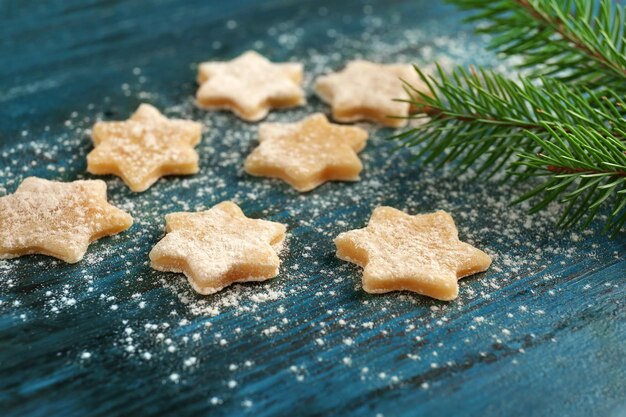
(541, 333)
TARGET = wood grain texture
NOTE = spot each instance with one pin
(545, 339)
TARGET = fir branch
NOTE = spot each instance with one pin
(584, 169)
(480, 118)
(565, 124)
(579, 41)
(481, 113)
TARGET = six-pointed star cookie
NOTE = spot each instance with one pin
(218, 247)
(366, 91)
(144, 148)
(308, 153)
(249, 86)
(57, 219)
(419, 253)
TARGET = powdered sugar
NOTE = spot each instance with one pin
(219, 246)
(425, 247)
(145, 147)
(249, 85)
(57, 218)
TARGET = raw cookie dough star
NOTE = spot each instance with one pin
(144, 148)
(249, 86)
(420, 253)
(366, 91)
(57, 219)
(308, 153)
(218, 247)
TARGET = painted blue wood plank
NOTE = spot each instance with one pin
(539, 334)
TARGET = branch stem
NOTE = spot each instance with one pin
(578, 43)
(434, 112)
(569, 170)
(440, 113)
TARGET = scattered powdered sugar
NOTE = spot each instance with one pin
(239, 298)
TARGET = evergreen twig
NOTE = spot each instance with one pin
(576, 41)
(567, 126)
(583, 168)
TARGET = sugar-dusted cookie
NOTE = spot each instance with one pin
(249, 86)
(57, 219)
(218, 247)
(307, 153)
(365, 90)
(144, 148)
(419, 253)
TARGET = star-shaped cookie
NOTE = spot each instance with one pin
(57, 219)
(144, 148)
(420, 253)
(365, 90)
(307, 153)
(218, 247)
(249, 86)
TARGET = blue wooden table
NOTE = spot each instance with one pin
(542, 333)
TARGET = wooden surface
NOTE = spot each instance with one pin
(540, 334)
